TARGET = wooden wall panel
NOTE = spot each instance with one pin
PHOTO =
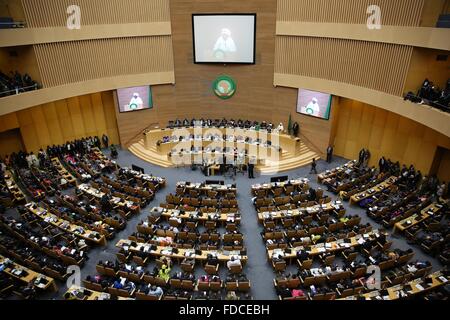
(110, 116)
(378, 66)
(77, 61)
(52, 13)
(385, 134)
(40, 125)
(98, 112)
(9, 122)
(53, 125)
(63, 120)
(399, 12)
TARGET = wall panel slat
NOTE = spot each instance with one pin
(68, 62)
(378, 66)
(396, 13)
(52, 13)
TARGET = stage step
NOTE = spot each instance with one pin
(139, 150)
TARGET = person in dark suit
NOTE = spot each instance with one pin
(362, 153)
(105, 140)
(382, 164)
(302, 255)
(251, 168)
(295, 129)
(313, 166)
(329, 154)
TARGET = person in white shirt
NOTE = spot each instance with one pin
(312, 108)
(225, 43)
(136, 102)
(233, 262)
(280, 127)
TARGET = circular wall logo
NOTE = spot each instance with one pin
(224, 87)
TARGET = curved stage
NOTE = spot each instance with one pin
(274, 152)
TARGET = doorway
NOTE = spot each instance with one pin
(441, 164)
(10, 141)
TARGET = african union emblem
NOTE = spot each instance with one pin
(224, 87)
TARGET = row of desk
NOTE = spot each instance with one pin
(299, 212)
(226, 188)
(63, 172)
(414, 287)
(199, 216)
(13, 188)
(325, 248)
(25, 275)
(156, 181)
(115, 201)
(282, 184)
(418, 217)
(79, 293)
(356, 198)
(80, 232)
(179, 254)
(329, 174)
(216, 144)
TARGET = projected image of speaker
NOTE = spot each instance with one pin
(315, 104)
(224, 38)
(134, 99)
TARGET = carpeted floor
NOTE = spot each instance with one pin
(258, 270)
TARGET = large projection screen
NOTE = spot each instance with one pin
(134, 99)
(224, 38)
(314, 104)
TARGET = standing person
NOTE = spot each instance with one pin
(295, 129)
(313, 166)
(105, 140)
(329, 154)
(251, 168)
(382, 164)
(361, 156)
(366, 157)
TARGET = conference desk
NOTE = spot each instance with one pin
(63, 172)
(91, 295)
(411, 288)
(329, 174)
(325, 248)
(80, 232)
(417, 218)
(273, 185)
(199, 216)
(13, 188)
(222, 256)
(210, 158)
(115, 201)
(286, 142)
(177, 145)
(158, 182)
(25, 275)
(299, 212)
(373, 191)
(99, 154)
(224, 189)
